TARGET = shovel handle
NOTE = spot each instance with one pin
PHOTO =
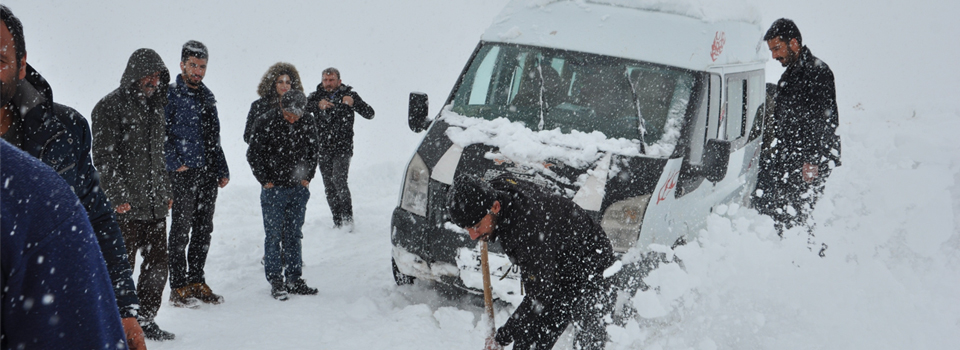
(491, 343)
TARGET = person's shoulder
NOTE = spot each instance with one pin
(26, 178)
(111, 100)
(207, 92)
(347, 90)
(814, 64)
(70, 118)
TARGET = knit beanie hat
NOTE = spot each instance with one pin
(294, 101)
(469, 200)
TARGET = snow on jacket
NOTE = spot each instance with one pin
(60, 137)
(806, 117)
(193, 130)
(56, 292)
(561, 251)
(336, 123)
(281, 152)
(258, 109)
(128, 137)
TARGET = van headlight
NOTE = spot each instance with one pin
(414, 197)
(622, 221)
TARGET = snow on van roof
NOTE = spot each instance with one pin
(691, 34)
(706, 10)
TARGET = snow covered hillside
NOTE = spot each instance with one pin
(890, 214)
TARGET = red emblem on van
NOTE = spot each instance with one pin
(718, 41)
(670, 184)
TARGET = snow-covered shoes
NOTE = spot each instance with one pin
(191, 296)
(153, 332)
(281, 291)
(184, 297)
(203, 292)
(278, 291)
(300, 287)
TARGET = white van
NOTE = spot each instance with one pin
(644, 118)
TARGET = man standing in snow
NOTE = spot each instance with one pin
(334, 105)
(805, 146)
(197, 167)
(129, 131)
(59, 136)
(564, 258)
(283, 157)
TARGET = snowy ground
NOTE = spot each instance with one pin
(891, 213)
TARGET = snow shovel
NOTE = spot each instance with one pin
(491, 342)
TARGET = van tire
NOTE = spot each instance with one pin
(398, 276)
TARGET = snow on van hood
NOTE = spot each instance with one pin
(529, 147)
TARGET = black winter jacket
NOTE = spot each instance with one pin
(561, 251)
(128, 136)
(806, 117)
(283, 153)
(258, 108)
(60, 137)
(336, 123)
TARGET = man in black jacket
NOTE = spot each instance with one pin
(129, 131)
(283, 157)
(806, 146)
(564, 256)
(334, 105)
(59, 136)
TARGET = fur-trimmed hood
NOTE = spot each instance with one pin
(266, 87)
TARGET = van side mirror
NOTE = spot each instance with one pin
(418, 110)
(716, 157)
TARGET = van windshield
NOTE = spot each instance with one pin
(547, 89)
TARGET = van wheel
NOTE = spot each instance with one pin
(398, 276)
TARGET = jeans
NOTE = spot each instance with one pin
(150, 238)
(284, 209)
(335, 169)
(194, 197)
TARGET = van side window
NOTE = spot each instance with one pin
(745, 95)
(736, 107)
(713, 111)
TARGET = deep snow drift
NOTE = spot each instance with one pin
(890, 214)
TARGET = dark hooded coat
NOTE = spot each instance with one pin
(128, 137)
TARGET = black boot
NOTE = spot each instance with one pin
(153, 332)
(301, 288)
(278, 291)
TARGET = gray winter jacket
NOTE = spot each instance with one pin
(128, 137)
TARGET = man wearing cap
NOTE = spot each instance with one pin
(283, 155)
(806, 147)
(564, 256)
(128, 136)
(197, 167)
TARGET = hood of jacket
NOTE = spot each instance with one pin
(142, 63)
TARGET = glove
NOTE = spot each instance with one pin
(504, 336)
